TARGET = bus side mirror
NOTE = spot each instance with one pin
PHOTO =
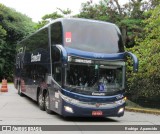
(64, 56)
(56, 54)
(135, 61)
(59, 54)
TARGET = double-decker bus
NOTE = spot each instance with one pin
(74, 67)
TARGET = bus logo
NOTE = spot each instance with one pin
(98, 105)
(98, 94)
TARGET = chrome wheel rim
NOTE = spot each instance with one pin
(40, 100)
(47, 101)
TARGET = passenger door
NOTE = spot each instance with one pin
(56, 82)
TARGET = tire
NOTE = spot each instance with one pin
(41, 101)
(19, 89)
(47, 103)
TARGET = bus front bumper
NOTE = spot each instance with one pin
(74, 110)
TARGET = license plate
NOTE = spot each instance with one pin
(97, 113)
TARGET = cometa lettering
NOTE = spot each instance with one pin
(98, 94)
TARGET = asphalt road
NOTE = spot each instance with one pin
(16, 110)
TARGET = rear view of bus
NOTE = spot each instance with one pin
(90, 71)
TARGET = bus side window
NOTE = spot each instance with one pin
(57, 65)
(56, 33)
(57, 73)
(56, 38)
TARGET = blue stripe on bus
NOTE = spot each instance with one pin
(104, 56)
(87, 98)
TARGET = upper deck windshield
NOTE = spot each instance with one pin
(92, 36)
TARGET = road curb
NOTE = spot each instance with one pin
(149, 111)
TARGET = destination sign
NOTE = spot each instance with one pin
(83, 61)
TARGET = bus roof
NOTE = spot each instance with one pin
(96, 34)
(63, 20)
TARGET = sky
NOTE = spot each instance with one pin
(36, 9)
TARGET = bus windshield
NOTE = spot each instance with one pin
(93, 37)
(89, 78)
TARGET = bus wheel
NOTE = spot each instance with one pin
(47, 103)
(41, 100)
(19, 89)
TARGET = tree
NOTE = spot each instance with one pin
(55, 15)
(128, 17)
(94, 11)
(148, 52)
(2, 60)
(14, 26)
(3, 33)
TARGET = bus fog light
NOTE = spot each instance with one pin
(68, 109)
(121, 110)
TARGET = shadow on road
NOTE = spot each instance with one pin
(87, 119)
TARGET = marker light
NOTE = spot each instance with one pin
(68, 109)
(69, 58)
(120, 102)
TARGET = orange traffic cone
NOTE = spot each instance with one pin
(4, 87)
(23, 88)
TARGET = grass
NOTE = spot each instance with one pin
(131, 106)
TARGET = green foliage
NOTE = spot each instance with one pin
(3, 33)
(65, 12)
(2, 60)
(14, 26)
(55, 15)
(47, 18)
(128, 17)
(147, 81)
(94, 11)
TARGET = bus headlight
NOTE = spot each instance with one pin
(121, 110)
(68, 109)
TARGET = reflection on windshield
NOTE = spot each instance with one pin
(99, 78)
(93, 36)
